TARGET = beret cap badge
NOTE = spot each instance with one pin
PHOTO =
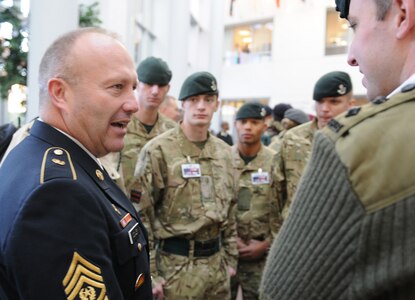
(342, 89)
(213, 86)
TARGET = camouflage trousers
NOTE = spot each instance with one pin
(188, 278)
(248, 276)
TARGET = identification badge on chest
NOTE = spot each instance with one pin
(260, 177)
(191, 170)
(133, 234)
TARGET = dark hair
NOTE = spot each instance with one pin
(382, 7)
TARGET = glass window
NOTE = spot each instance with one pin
(251, 43)
(337, 33)
(143, 31)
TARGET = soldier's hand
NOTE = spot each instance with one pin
(240, 243)
(254, 250)
(231, 271)
(158, 290)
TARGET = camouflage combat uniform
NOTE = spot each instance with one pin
(135, 140)
(258, 213)
(178, 211)
(294, 154)
(276, 141)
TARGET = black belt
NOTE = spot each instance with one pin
(260, 238)
(181, 246)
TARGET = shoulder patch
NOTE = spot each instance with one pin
(340, 126)
(334, 125)
(57, 163)
(84, 280)
(379, 100)
(353, 111)
(135, 196)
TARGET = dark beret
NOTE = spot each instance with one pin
(198, 83)
(343, 7)
(251, 110)
(279, 110)
(154, 70)
(333, 84)
(268, 110)
(296, 115)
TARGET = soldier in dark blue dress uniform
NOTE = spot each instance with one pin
(66, 230)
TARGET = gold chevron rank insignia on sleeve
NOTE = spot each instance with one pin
(84, 281)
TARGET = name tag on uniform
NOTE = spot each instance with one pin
(191, 170)
(133, 234)
(260, 178)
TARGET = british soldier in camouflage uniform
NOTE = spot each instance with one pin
(258, 208)
(188, 201)
(154, 76)
(332, 96)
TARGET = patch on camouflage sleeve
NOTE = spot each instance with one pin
(135, 196)
(83, 280)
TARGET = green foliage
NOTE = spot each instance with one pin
(13, 60)
(88, 15)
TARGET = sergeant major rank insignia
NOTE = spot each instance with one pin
(83, 280)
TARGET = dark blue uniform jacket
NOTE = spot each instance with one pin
(66, 230)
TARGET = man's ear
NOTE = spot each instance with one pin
(405, 18)
(58, 89)
(217, 104)
(264, 128)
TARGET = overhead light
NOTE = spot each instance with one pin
(247, 40)
(244, 32)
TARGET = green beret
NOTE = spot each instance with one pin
(154, 70)
(252, 110)
(333, 84)
(343, 7)
(268, 110)
(199, 83)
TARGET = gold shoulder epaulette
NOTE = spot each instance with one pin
(57, 163)
(340, 126)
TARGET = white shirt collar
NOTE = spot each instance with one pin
(398, 89)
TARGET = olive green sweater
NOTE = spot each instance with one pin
(351, 230)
